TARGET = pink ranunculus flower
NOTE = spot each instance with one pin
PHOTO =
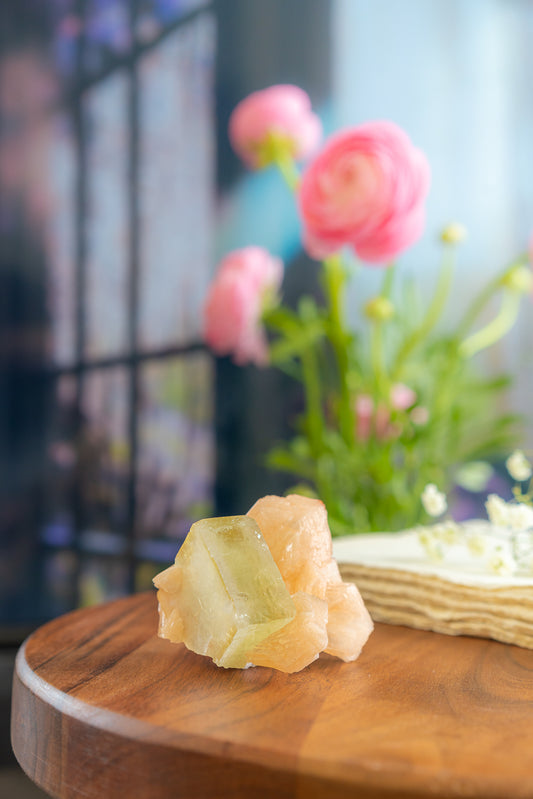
(366, 189)
(264, 271)
(246, 281)
(282, 111)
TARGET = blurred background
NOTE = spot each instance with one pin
(118, 194)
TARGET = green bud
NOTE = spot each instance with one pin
(454, 233)
(519, 279)
(379, 309)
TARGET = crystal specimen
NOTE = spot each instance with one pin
(262, 589)
(224, 594)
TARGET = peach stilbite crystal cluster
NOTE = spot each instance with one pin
(262, 589)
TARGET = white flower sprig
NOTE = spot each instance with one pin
(513, 515)
(508, 546)
(518, 466)
(433, 500)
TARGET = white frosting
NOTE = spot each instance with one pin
(404, 551)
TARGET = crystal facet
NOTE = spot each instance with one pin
(224, 594)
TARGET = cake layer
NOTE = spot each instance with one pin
(401, 586)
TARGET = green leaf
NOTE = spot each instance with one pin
(282, 319)
(301, 340)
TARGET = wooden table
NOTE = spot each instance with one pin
(103, 708)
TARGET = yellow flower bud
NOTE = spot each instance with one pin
(519, 278)
(379, 309)
(454, 233)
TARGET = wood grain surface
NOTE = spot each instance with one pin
(103, 708)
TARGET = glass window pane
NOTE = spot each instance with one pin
(65, 39)
(59, 583)
(107, 32)
(155, 15)
(58, 527)
(61, 238)
(176, 173)
(102, 579)
(104, 457)
(176, 457)
(146, 571)
(107, 219)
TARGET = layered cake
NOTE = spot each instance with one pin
(457, 595)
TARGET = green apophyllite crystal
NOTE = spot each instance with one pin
(224, 594)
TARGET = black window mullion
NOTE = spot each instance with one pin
(127, 360)
(80, 255)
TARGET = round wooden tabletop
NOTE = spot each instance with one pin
(103, 708)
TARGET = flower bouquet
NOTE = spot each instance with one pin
(396, 406)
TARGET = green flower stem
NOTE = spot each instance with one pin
(432, 314)
(310, 375)
(334, 282)
(287, 166)
(496, 329)
(484, 298)
(376, 357)
(377, 349)
(314, 415)
(388, 279)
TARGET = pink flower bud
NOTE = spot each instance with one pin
(264, 271)
(420, 415)
(366, 189)
(364, 411)
(280, 112)
(402, 397)
(382, 423)
(246, 279)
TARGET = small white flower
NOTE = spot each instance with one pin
(523, 549)
(515, 515)
(521, 516)
(518, 466)
(498, 511)
(477, 544)
(431, 544)
(501, 562)
(447, 532)
(433, 500)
